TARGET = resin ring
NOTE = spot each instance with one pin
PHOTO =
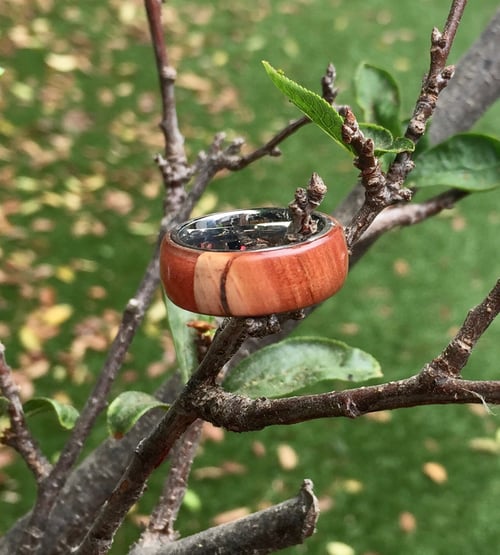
(242, 263)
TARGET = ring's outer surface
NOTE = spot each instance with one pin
(205, 268)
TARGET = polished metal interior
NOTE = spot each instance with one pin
(241, 230)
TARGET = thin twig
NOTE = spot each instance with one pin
(434, 82)
(389, 188)
(271, 147)
(329, 93)
(18, 435)
(161, 527)
(456, 355)
(405, 215)
(174, 141)
(457, 111)
(300, 209)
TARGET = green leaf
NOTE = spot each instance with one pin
(126, 410)
(184, 337)
(299, 362)
(467, 161)
(384, 141)
(311, 104)
(377, 94)
(2, 71)
(66, 414)
(327, 118)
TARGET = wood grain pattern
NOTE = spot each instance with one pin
(254, 283)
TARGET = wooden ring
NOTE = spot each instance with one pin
(239, 263)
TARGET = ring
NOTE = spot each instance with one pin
(242, 263)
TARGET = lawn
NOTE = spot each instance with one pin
(80, 202)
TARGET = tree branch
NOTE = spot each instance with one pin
(161, 525)
(437, 383)
(478, 73)
(18, 435)
(405, 215)
(267, 531)
(76, 506)
(383, 190)
(456, 355)
(152, 450)
(175, 173)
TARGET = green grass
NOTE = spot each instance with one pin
(403, 317)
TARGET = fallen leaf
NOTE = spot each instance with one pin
(258, 448)
(287, 457)
(401, 267)
(47, 296)
(193, 82)
(352, 486)
(118, 201)
(339, 548)
(212, 433)
(65, 274)
(485, 445)
(29, 339)
(407, 522)
(381, 417)
(57, 314)
(436, 472)
(62, 62)
(325, 503)
(97, 292)
(216, 472)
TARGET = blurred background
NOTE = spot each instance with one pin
(81, 200)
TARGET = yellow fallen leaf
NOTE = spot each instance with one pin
(65, 273)
(29, 339)
(436, 472)
(287, 457)
(339, 548)
(57, 314)
(485, 445)
(62, 62)
(352, 486)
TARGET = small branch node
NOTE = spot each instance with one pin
(169, 73)
(300, 209)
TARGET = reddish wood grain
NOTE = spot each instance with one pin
(254, 283)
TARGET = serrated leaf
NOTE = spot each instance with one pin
(297, 363)
(66, 414)
(377, 94)
(184, 336)
(327, 118)
(311, 104)
(466, 161)
(127, 408)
